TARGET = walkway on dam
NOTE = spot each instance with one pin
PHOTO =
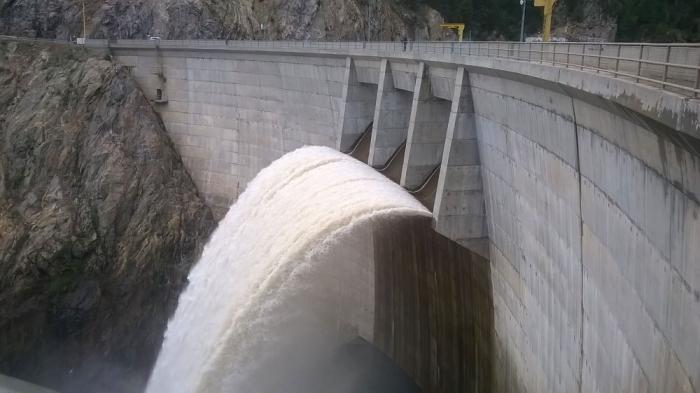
(673, 67)
(668, 66)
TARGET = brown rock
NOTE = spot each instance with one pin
(99, 222)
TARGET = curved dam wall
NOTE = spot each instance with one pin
(581, 190)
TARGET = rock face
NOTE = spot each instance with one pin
(99, 222)
(583, 21)
(222, 19)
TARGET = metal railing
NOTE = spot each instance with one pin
(38, 40)
(673, 67)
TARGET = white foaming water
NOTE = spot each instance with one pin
(286, 276)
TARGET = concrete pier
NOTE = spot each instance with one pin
(391, 117)
(426, 132)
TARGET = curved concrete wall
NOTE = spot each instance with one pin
(582, 190)
(593, 221)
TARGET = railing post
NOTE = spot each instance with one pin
(529, 52)
(668, 58)
(600, 54)
(568, 54)
(583, 57)
(617, 59)
(541, 53)
(639, 62)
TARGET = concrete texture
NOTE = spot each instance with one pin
(527, 142)
(356, 107)
(581, 189)
(232, 114)
(426, 132)
(404, 75)
(587, 205)
(391, 117)
(13, 385)
(459, 201)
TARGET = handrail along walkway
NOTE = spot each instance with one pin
(673, 66)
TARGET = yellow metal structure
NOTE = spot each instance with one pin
(547, 17)
(455, 26)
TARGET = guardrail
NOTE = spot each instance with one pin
(40, 40)
(673, 67)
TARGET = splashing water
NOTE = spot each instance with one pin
(286, 277)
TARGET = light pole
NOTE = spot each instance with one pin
(522, 21)
(84, 24)
(81, 40)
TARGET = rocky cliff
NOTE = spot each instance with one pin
(99, 222)
(583, 21)
(221, 19)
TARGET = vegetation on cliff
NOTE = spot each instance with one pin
(99, 222)
(621, 20)
(656, 20)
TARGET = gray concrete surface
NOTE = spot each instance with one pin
(459, 202)
(356, 107)
(584, 187)
(14, 385)
(391, 117)
(426, 132)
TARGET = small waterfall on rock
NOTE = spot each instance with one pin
(286, 277)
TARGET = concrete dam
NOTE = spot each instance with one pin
(563, 252)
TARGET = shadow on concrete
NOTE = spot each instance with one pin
(392, 168)
(360, 149)
(434, 307)
(427, 191)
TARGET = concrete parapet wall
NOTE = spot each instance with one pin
(582, 190)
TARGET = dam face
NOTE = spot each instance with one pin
(580, 190)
